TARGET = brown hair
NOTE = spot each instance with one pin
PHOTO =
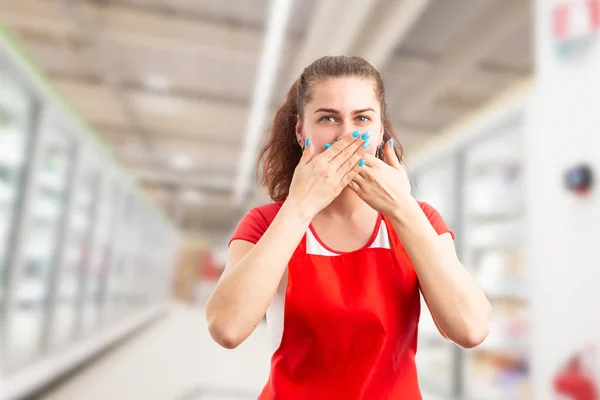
(281, 153)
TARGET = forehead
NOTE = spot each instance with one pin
(346, 93)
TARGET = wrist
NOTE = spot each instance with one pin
(407, 207)
(297, 211)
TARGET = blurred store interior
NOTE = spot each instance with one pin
(128, 135)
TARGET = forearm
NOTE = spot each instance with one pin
(246, 289)
(456, 301)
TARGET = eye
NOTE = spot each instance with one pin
(363, 118)
(328, 118)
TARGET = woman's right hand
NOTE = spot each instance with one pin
(318, 180)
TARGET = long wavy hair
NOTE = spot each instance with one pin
(282, 152)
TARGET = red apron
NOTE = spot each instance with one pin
(350, 327)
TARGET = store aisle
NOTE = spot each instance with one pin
(173, 359)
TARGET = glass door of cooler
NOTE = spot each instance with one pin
(118, 282)
(46, 212)
(436, 184)
(93, 299)
(76, 256)
(16, 126)
(494, 236)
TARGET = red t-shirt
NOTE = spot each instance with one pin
(254, 224)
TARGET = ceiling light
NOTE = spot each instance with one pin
(182, 162)
(191, 196)
(157, 82)
(278, 19)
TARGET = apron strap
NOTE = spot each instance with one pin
(395, 242)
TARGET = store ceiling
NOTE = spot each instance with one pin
(168, 84)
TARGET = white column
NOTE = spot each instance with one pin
(563, 229)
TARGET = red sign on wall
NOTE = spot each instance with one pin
(575, 23)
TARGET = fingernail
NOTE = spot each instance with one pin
(306, 142)
(355, 134)
(327, 145)
(365, 136)
(366, 145)
(391, 143)
(361, 163)
(334, 142)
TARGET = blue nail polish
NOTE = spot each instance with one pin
(355, 134)
(334, 142)
(306, 142)
(365, 136)
(361, 163)
(391, 142)
(327, 145)
(366, 145)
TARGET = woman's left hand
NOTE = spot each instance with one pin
(382, 185)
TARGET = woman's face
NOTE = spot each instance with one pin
(340, 106)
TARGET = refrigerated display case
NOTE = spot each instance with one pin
(79, 262)
(75, 258)
(117, 282)
(494, 233)
(16, 111)
(100, 253)
(34, 270)
(436, 184)
(477, 186)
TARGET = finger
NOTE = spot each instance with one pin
(360, 180)
(359, 146)
(372, 161)
(307, 154)
(390, 155)
(346, 145)
(354, 186)
(351, 174)
(353, 160)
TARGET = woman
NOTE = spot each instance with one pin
(338, 260)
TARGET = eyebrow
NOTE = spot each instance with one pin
(334, 111)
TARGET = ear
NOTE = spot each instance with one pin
(299, 132)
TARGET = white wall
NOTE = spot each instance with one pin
(564, 231)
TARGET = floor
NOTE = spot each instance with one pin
(174, 359)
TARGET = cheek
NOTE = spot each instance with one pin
(319, 137)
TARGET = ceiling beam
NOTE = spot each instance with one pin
(106, 68)
(146, 29)
(390, 27)
(115, 131)
(190, 14)
(135, 86)
(208, 182)
(500, 21)
(327, 38)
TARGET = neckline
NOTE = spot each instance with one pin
(369, 243)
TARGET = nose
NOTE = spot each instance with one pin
(346, 129)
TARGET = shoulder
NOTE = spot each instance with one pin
(427, 208)
(267, 211)
(256, 221)
(435, 218)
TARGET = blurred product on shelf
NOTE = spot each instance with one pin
(575, 380)
(196, 272)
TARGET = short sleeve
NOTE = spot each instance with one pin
(435, 219)
(254, 224)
